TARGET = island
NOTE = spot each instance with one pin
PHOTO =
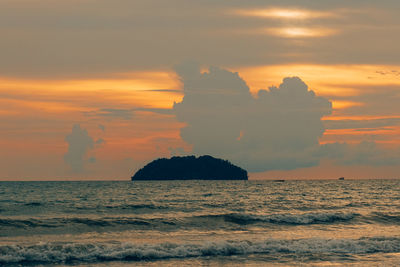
(190, 168)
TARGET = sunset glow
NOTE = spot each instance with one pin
(280, 13)
(325, 80)
(299, 32)
(120, 80)
(199, 133)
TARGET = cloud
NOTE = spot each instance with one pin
(361, 124)
(124, 114)
(79, 144)
(116, 113)
(286, 14)
(177, 151)
(165, 111)
(100, 141)
(163, 90)
(376, 100)
(278, 129)
(116, 42)
(364, 153)
(111, 113)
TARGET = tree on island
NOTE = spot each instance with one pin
(190, 168)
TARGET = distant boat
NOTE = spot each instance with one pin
(279, 180)
(341, 178)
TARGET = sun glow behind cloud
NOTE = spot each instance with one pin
(298, 32)
(293, 22)
(284, 13)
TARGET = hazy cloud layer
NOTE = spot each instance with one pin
(79, 144)
(57, 38)
(361, 124)
(364, 153)
(377, 100)
(125, 114)
(278, 129)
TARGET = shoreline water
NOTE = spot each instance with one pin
(216, 223)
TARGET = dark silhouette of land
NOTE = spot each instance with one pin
(190, 168)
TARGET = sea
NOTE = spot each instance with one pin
(200, 223)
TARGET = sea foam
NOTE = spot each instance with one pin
(45, 253)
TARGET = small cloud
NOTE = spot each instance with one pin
(164, 90)
(166, 111)
(79, 144)
(117, 113)
(177, 151)
(388, 72)
(100, 141)
(125, 114)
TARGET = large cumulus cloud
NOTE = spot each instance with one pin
(277, 129)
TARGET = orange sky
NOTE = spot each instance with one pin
(110, 69)
(149, 134)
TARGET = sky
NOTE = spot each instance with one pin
(289, 89)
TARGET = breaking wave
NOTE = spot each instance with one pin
(46, 253)
(17, 226)
(287, 219)
(60, 222)
(195, 221)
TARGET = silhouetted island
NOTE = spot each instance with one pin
(190, 168)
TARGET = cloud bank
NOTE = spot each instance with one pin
(276, 130)
(146, 34)
(363, 153)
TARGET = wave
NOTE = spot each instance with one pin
(287, 219)
(385, 218)
(33, 204)
(11, 226)
(211, 220)
(61, 222)
(137, 206)
(46, 253)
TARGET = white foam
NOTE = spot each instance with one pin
(87, 252)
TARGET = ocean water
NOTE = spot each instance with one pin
(194, 223)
